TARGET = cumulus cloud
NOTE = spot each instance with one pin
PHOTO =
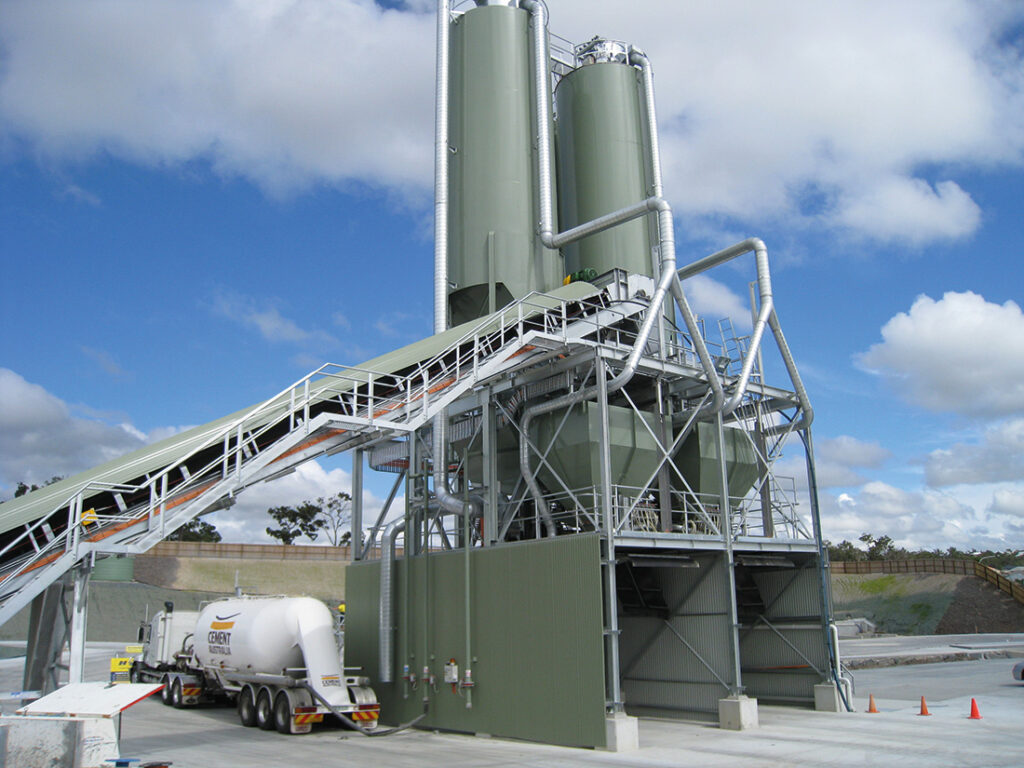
(914, 519)
(40, 436)
(998, 455)
(910, 210)
(823, 112)
(247, 520)
(1008, 501)
(716, 300)
(933, 355)
(836, 461)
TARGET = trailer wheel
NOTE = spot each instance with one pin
(165, 692)
(177, 700)
(283, 713)
(246, 707)
(264, 710)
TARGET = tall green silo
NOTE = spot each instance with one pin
(603, 158)
(494, 254)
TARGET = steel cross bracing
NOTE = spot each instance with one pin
(331, 410)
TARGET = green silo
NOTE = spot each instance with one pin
(494, 252)
(603, 160)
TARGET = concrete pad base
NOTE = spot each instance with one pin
(622, 733)
(74, 742)
(737, 713)
(826, 698)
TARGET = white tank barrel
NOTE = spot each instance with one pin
(273, 636)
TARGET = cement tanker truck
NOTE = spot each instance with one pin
(276, 658)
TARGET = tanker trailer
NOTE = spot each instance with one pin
(277, 658)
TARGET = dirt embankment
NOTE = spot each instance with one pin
(926, 604)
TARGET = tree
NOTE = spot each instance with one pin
(330, 516)
(844, 550)
(24, 488)
(195, 530)
(336, 512)
(302, 520)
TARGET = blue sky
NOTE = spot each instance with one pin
(201, 202)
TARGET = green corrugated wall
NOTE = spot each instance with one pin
(536, 621)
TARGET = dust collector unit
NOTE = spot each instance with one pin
(494, 251)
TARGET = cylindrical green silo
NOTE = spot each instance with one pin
(603, 161)
(494, 253)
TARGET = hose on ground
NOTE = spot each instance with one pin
(353, 724)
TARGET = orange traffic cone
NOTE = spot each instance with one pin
(924, 708)
(872, 709)
(975, 714)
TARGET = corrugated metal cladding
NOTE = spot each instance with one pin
(658, 670)
(774, 668)
(537, 642)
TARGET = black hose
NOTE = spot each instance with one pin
(353, 724)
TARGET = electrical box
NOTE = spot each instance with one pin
(451, 672)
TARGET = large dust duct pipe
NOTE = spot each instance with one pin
(638, 58)
(764, 284)
(387, 592)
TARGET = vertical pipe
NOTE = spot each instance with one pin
(441, 170)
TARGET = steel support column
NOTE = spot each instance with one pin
(730, 562)
(357, 504)
(613, 691)
(79, 620)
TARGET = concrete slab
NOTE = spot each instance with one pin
(201, 737)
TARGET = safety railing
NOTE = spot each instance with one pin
(361, 399)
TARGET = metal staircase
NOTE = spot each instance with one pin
(331, 410)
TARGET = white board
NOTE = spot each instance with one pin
(91, 699)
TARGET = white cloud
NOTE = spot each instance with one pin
(823, 112)
(268, 320)
(999, 455)
(1008, 501)
(836, 461)
(944, 356)
(989, 516)
(909, 210)
(40, 437)
(247, 520)
(716, 300)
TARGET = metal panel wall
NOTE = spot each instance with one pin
(785, 657)
(662, 672)
(536, 635)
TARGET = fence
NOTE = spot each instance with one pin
(934, 565)
(247, 551)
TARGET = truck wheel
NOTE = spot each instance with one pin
(246, 707)
(264, 711)
(177, 700)
(165, 692)
(283, 714)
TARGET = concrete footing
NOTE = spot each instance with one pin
(826, 698)
(622, 733)
(57, 742)
(737, 713)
